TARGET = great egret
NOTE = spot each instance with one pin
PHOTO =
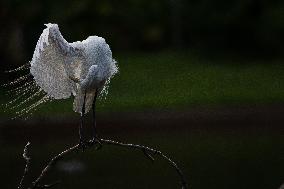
(61, 69)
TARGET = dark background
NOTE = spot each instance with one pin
(254, 27)
(200, 80)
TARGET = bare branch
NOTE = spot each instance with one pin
(52, 162)
(148, 155)
(148, 152)
(47, 185)
(26, 170)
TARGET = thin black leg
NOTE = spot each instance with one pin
(82, 120)
(94, 116)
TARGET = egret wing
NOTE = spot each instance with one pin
(48, 66)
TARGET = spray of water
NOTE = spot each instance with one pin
(27, 95)
(18, 80)
(21, 88)
(23, 67)
(28, 111)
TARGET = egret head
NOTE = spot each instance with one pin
(98, 53)
(97, 50)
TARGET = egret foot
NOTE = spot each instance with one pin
(96, 141)
(82, 145)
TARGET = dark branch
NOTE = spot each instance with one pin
(148, 155)
(26, 170)
(47, 185)
(148, 152)
(52, 162)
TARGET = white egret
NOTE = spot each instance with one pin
(61, 69)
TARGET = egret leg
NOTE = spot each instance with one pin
(81, 135)
(94, 116)
(95, 135)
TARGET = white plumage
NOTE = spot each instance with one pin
(62, 69)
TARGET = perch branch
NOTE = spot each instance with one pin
(52, 162)
(47, 185)
(148, 152)
(26, 170)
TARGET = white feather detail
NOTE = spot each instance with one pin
(61, 69)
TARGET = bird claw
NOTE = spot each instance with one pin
(97, 141)
(82, 145)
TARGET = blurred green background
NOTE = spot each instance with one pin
(200, 80)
